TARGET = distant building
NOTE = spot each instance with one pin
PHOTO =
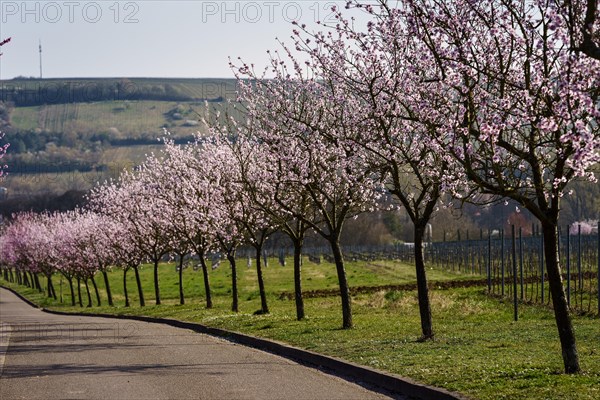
(3, 193)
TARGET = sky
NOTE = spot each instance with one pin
(147, 38)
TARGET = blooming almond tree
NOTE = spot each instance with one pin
(522, 111)
(217, 191)
(380, 71)
(246, 172)
(179, 188)
(266, 190)
(181, 172)
(120, 232)
(283, 207)
(19, 251)
(86, 248)
(304, 122)
(149, 216)
(93, 248)
(65, 254)
(9, 253)
(6, 258)
(30, 236)
(267, 201)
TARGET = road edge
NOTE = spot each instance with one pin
(347, 370)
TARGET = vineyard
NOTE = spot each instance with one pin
(122, 119)
(515, 268)
(492, 261)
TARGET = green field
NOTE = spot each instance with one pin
(133, 117)
(479, 350)
(127, 119)
(102, 134)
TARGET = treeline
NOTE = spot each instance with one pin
(33, 141)
(69, 200)
(34, 92)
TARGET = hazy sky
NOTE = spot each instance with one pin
(145, 38)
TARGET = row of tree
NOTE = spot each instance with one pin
(34, 92)
(483, 101)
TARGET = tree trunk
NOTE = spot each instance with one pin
(156, 287)
(209, 303)
(38, 286)
(298, 279)
(234, 290)
(26, 282)
(125, 287)
(264, 308)
(51, 292)
(181, 298)
(96, 290)
(89, 296)
(343, 283)
(52, 288)
(559, 301)
(139, 286)
(107, 285)
(70, 279)
(422, 290)
(79, 292)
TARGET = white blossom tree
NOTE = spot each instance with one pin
(521, 110)
(301, 121)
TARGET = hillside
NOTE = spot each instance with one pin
(67, 134)
(107, 121)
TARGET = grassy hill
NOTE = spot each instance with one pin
(68, 134)
(118, 119)
(90, 106)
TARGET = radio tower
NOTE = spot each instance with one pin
(40, 59)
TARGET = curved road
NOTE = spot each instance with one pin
(45, 356)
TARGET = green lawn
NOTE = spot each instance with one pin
(479, 350)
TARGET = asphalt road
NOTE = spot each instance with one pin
(45, 356)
